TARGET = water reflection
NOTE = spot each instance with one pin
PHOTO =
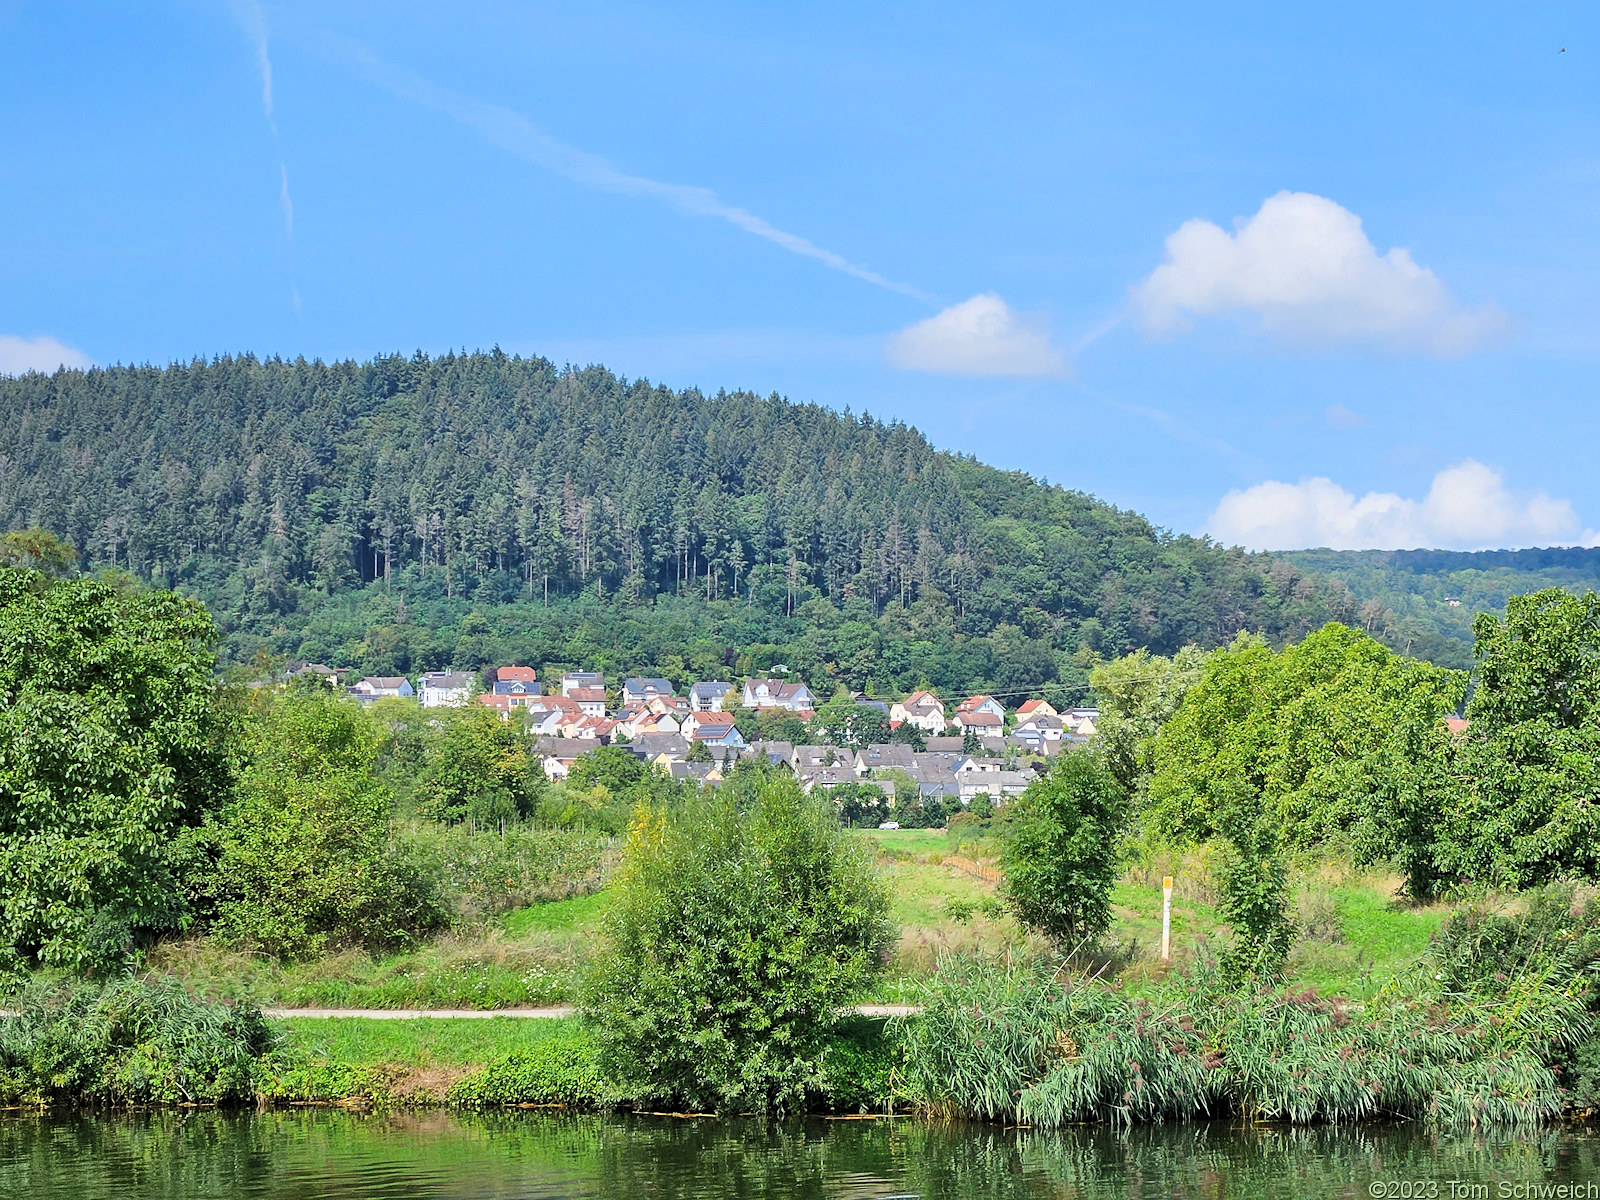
(439, 1156)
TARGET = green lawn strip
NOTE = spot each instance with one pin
(578, 913)
(504, 1061)
(380, 1061)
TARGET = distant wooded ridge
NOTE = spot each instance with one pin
(412, 513)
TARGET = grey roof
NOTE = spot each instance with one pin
(777, 753)
(638, 683)
(710, 688)
(447, 679)
(517, 687)
(937, 762)
(560, 747)
(830, 776)
(943, 745)
(806, 757)
(689, 770)
(889, 754)
(649, 745)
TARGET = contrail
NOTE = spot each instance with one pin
(513, 132)
(249, 17)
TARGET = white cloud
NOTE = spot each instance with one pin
(19, 355)
(1467, 508)
(980, 336)
(1341, 417)
(1305, 268)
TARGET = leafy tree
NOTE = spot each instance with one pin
(110, 748)
(1521, 808)
(1138, 694)
(479, 770)
(307, 857)
(1306, 731)
(843, 722)
(1254, 882)
(741, 924)
(861, 805)
(907, 734)
(37, 550)
(1061, 846)
(698, 752)
(618, 770)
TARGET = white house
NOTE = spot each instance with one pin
(708, 696)
(574, 680)
(774, 693)
(713, 730)
(979, 721)
(380, 687)
(641, 691)
(590, 700)
(445, 689)
(987, 704)
(921, 709)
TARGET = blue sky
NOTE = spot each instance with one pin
(1288, 274)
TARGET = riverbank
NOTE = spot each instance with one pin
(1356, 936)
(501, 1061)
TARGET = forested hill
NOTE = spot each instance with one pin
(1426, 599)
(415, 512)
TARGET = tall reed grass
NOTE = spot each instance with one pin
(1042, 1044)
(130, 1041)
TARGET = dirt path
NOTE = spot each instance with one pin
(547, 1014)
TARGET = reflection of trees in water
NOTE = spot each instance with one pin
(442, 1156)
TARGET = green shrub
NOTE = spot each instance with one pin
(861, 1068)
(308, 860)
(1254, 883)
(110, 749)
(741, 923)
(131, 1041)
(1554, 938)
(1061, 845)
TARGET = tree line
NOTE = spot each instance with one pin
(276, 491)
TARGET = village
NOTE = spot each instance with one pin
(951, 756)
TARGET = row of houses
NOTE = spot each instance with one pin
(579, 707)
(943, 772)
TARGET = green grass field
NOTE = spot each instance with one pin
(1356, 936)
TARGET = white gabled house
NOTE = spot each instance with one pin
(445, 689)
(382, 687)
(921, 709)
(709, 696)
(774, 693)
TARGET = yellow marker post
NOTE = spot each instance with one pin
(1166, 919)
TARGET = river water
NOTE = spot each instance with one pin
(311, 1154)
